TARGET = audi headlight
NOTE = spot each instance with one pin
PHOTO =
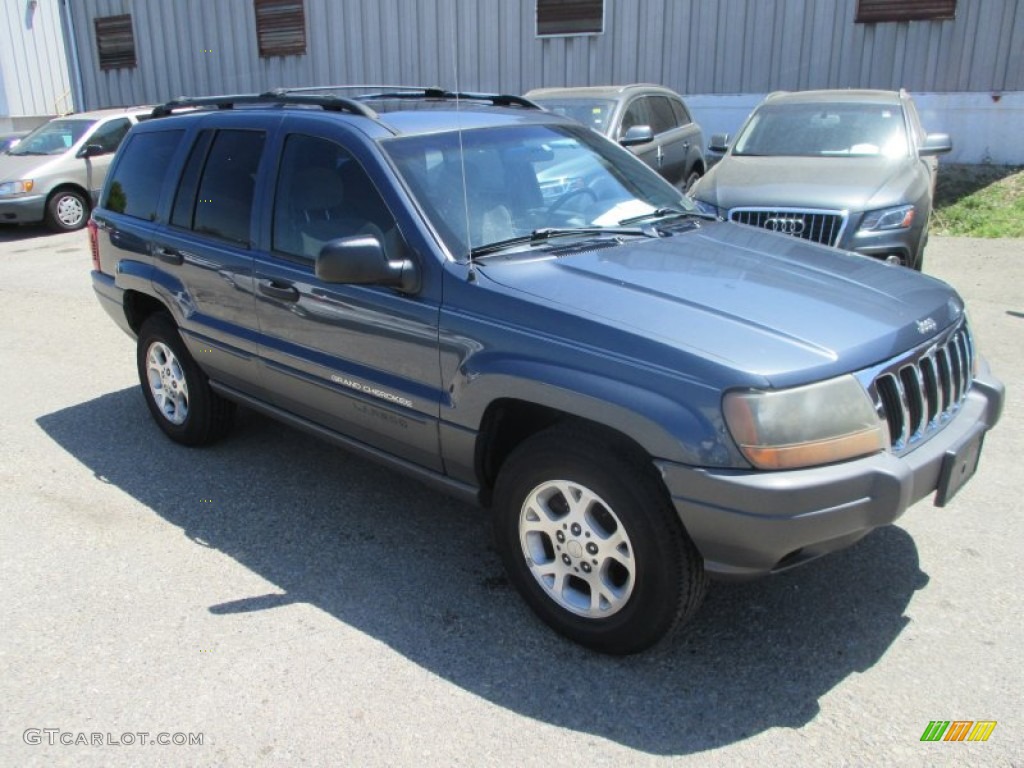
(900, 217)
(805, 426)
(11, 188)
(707, 208)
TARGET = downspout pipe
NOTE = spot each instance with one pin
(68, 22)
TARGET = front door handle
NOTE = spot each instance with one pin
(278, 291)
(169, 255)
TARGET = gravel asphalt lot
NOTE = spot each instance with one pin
(294, 605)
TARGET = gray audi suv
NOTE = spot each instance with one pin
(852, 169)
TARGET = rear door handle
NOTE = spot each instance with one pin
(168, 255)
(277, 291)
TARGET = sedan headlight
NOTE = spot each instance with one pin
(900, 217)
(9, 188)
(805, 426)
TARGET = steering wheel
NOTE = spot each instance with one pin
(567, 196)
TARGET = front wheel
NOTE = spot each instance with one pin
(592, 543)
(67, 211)
(177, 391)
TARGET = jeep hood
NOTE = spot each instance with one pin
(770, 305)
(833, 183)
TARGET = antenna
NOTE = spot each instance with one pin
(471, 273)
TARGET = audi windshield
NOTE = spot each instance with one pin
(825, 130)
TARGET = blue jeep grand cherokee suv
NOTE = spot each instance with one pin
(505, 304)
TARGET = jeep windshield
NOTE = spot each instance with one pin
(825, 130)
(492, 186)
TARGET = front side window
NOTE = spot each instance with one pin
(636, 114)
(53, 138)
(135, 182)
(323, 194)
(493, 184)
(825, 130)
(110, 135)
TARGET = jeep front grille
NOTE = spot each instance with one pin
(824, 227)
(917, 396)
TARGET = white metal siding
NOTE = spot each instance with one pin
(33, 67)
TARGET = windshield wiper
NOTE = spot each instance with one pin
(665, 213)
(546, 233)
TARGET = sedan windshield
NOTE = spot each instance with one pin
(490, 185)
(52, 138)
(593, 113)
(825, 130)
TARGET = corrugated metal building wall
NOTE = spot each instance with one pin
(33, 67)
(695, 46)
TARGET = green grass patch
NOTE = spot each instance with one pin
(979, 201)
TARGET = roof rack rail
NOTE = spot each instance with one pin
(497, 99)
(278, 96)
(418, 92)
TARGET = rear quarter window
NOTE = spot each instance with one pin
(136, 180)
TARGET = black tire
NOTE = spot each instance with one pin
(191, 413)
(662, 582)
(67, 210)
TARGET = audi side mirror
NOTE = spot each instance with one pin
(935, 144)
(638, 134)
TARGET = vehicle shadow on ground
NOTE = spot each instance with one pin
(415, 570)
(12, 233)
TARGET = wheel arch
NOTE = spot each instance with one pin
(139, 306)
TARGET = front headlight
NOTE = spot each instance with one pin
(9, 188)
(900, 217)
(707, 208)
(805, 426)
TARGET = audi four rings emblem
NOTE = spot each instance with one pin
(786, 226)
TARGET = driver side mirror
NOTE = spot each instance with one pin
(638, 134)
(935, 144)
(719, 143)
(361, 260)
(91, 150)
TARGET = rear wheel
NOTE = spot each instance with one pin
(177, 391)
(592, 543)
(67, 210)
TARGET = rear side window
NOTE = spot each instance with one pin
(682, 116)
(217, 187)
(135, 183)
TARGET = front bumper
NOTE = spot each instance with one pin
(27, 209)
(749, 523)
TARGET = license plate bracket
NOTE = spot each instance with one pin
(958, 466)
